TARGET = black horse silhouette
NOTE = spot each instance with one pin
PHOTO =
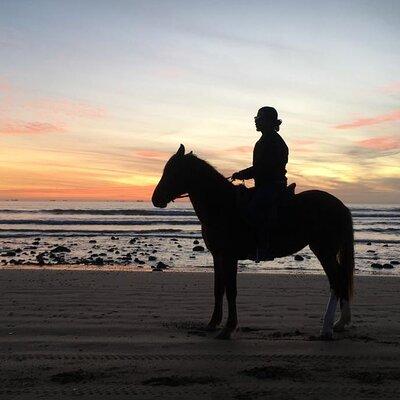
(313, 218)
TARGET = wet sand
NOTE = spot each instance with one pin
(111, 334)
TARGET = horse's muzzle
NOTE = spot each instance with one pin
(158, 200)
(159, 204)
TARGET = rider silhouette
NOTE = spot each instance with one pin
(270, 157)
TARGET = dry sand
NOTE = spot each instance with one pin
(91, 334)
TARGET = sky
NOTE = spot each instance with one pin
(95, 96)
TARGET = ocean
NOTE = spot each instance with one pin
(101, 233)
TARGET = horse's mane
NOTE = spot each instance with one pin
(202, 167)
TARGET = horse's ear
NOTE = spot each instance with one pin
(190, 152)
(181, 151)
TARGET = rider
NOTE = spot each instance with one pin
(270, 157)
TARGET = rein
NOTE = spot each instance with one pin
(187, 194)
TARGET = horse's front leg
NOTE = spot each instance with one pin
(219, 290)
(229, 272)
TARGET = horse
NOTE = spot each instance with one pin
(313, 217)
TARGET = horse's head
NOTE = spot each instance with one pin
(173, 182)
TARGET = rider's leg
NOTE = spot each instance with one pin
(265, 222)
(264, 251)
(257, 215)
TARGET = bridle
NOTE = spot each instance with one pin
(180, 197)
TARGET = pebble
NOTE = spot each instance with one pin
(198, 248)
(40, 258)
(161, 265)
(98, 261)
(60, 249)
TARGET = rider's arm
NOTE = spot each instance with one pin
(247, 173)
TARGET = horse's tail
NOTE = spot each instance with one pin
(345, 258)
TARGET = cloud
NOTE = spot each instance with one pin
(6, 95)
(239, 150)
(303, 142)
(68, 108)
(391, 88)
(33, 127)
(277, 46)
(380, 143)
(5, 87)
(393, 116)
(13, 99)
(154, 154)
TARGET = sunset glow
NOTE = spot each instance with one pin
(94, 100)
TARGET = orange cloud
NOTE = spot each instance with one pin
(393, 116)
(160, 155)
(68, 107)
(239, 149)
(303, 142)
(380, 143)
(22, 128)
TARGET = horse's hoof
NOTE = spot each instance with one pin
(225, 334)
(340, 325)
(211, 327)
(326, 336)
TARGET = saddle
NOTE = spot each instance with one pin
(244, 195)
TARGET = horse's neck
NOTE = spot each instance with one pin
(211, 200)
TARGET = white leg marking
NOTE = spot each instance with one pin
(345, 316)
(329, 316)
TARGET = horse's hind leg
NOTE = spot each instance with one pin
(345, 316)
(345, 313)
(331, 269)
(329, 316)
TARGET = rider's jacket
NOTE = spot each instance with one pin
(270, 157)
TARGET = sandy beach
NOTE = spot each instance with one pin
(110, 334)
